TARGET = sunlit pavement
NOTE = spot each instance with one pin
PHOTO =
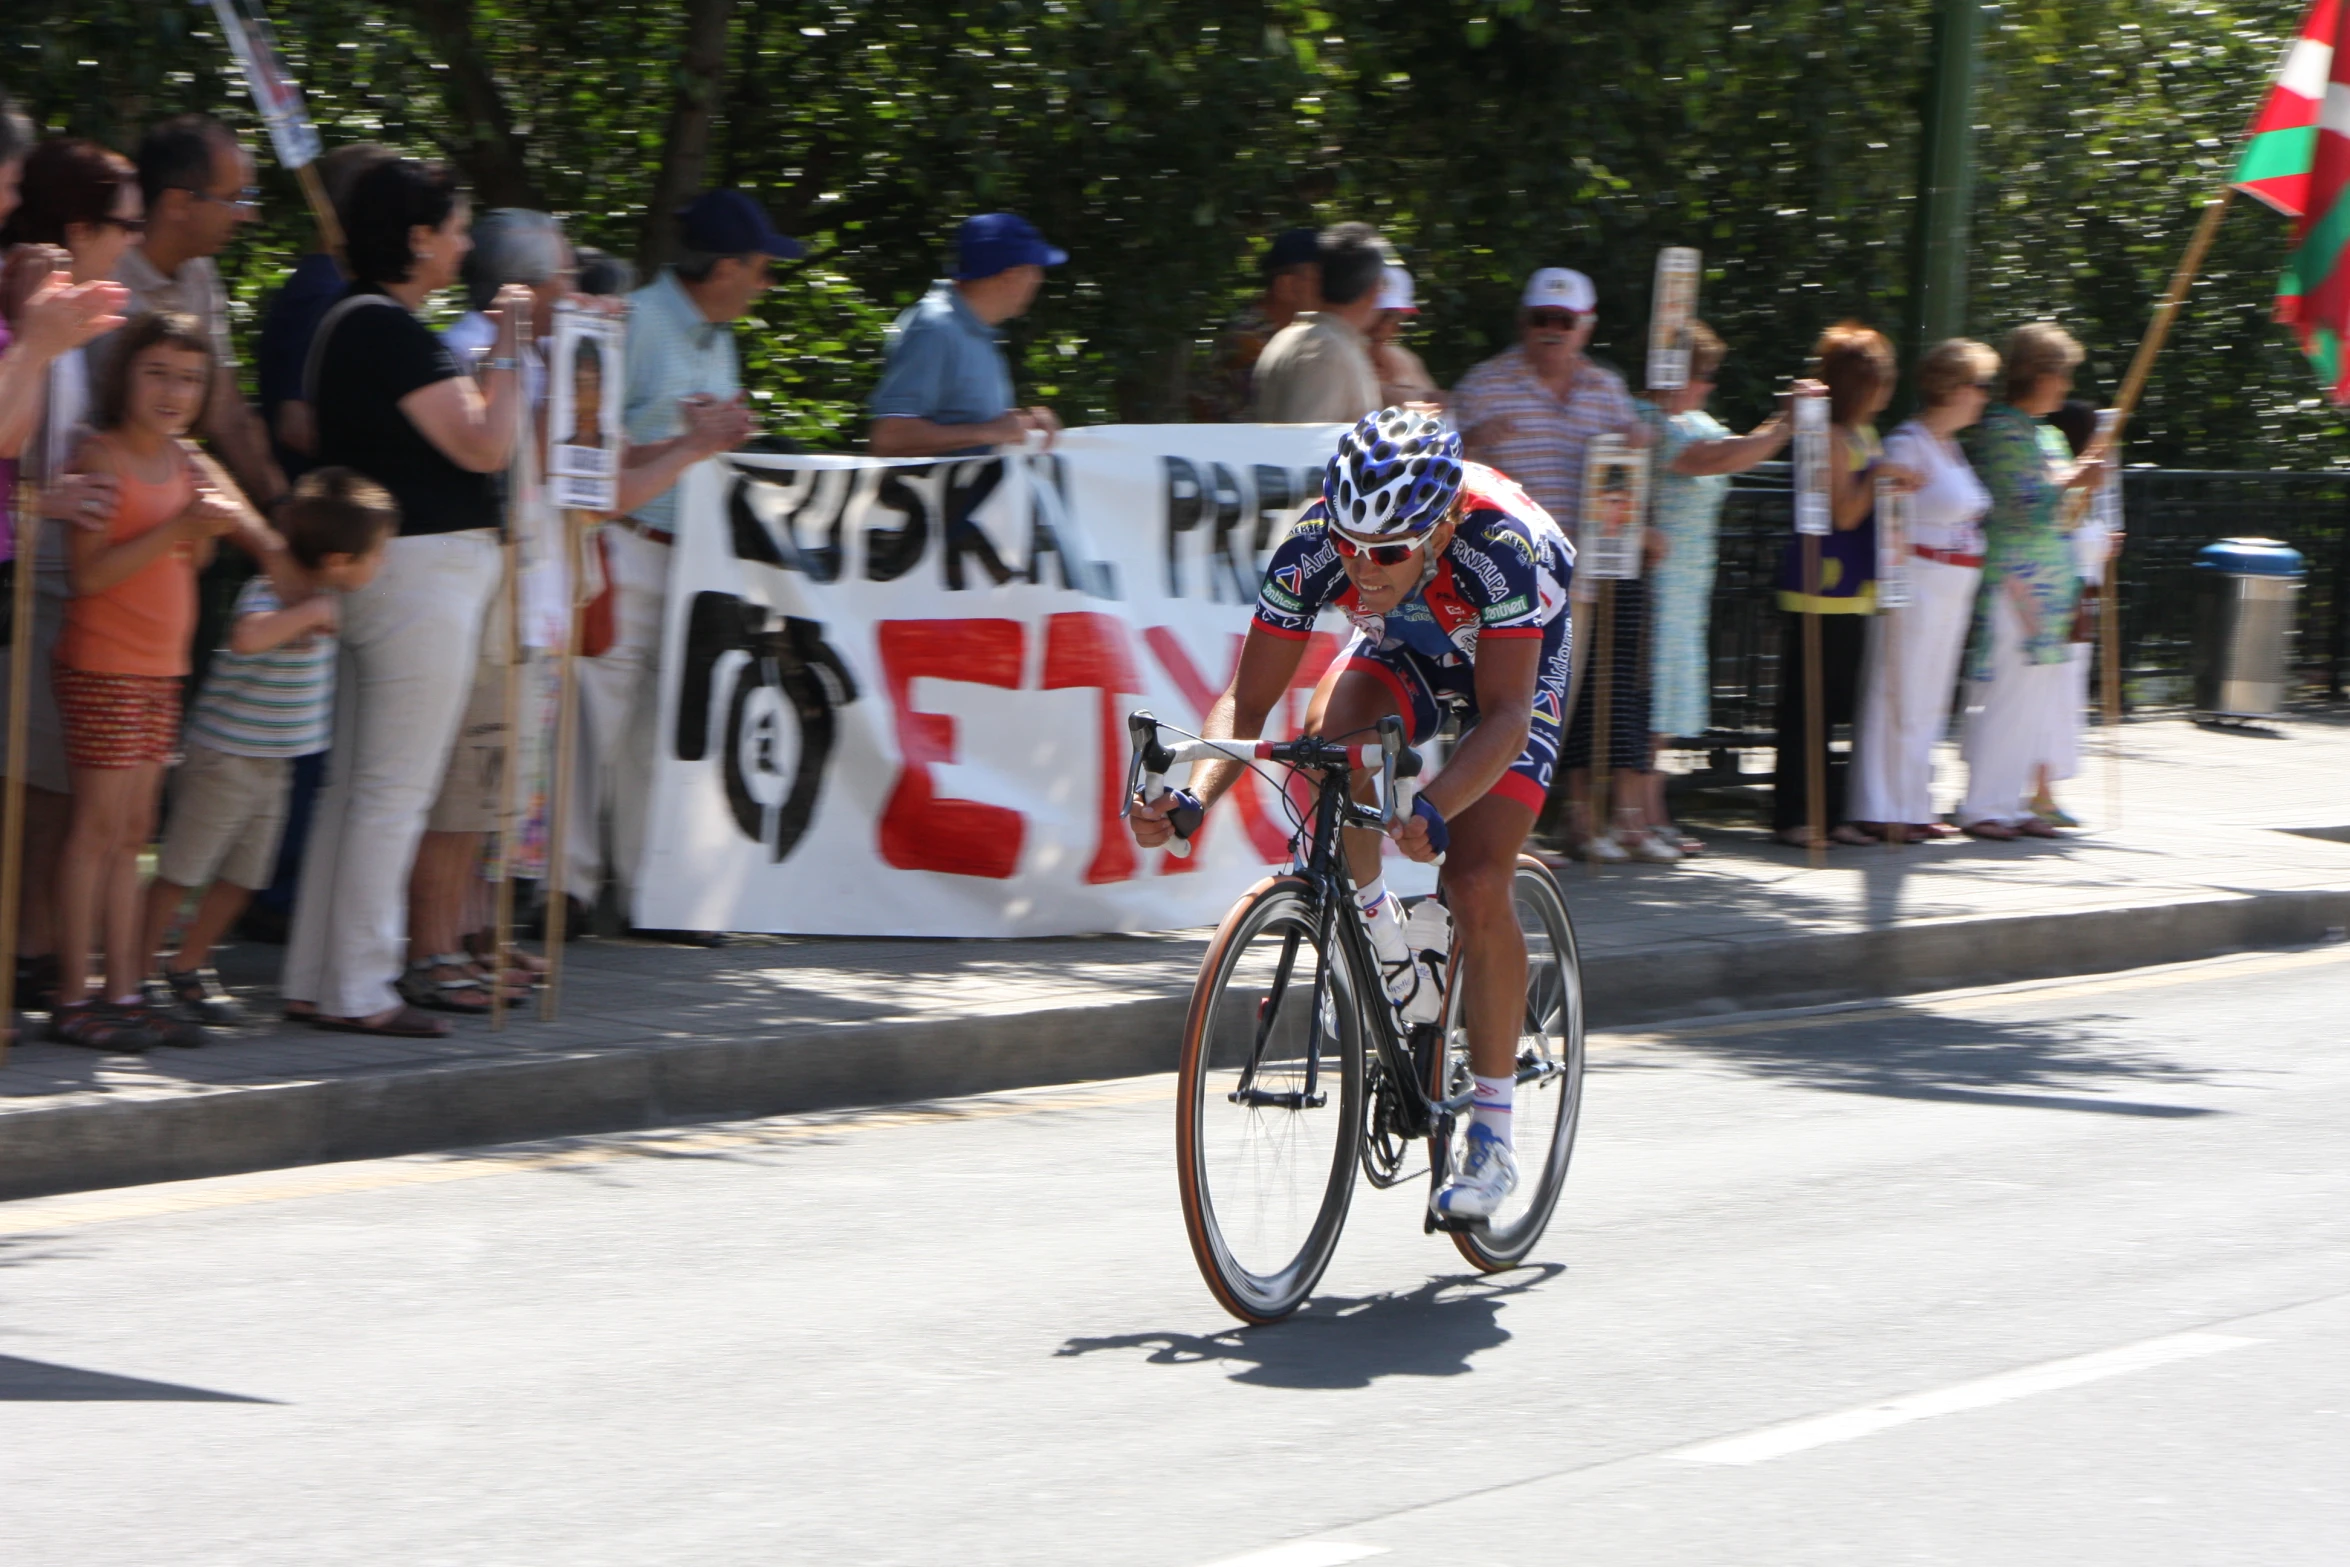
(2055, 1274)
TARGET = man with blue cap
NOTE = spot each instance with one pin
(946, 390)
(684, 403)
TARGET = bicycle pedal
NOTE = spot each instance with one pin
(1457, 1226)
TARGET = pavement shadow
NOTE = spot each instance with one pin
(1338, 1341)
(40, 1382)
(1895, 1052)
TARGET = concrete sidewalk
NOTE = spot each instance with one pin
(2225, 841)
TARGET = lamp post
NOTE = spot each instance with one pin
(1946, 178)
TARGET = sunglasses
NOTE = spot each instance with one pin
(246, 200)
(127, 225)
(1561, 320)
(1381, 554)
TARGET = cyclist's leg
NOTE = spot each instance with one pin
(1359, 690)
(1480, 875)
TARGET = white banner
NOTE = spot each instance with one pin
(893, 695)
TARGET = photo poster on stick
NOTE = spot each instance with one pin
(277, 97)
(1673, 305)
(1893, 556)
(1811, 464)
(1615, 509)
(583, 409)
(2104, 519)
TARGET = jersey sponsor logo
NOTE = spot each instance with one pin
(1546, 707)
(1287, 603)
(1480, 566)
(1292, 580)
(1509, 609)
(1518, 539)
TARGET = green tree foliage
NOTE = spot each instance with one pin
(1161, 140)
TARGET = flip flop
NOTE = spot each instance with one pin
(406, 1023)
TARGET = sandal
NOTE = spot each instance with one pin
(202, 997)
(399, 1023)
(1850, 836)
(420, 988)
(2033, 827)
(162, 1028)
(1990, 831)
(528, 968)
(94, 1025)
(1800, 838)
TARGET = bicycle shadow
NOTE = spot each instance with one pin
(1338, 1341)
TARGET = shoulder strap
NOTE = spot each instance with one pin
(326, 328)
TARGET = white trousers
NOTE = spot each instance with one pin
(1907, 680)
(2010, 720)
(615, 737)
(2064, 733)
(410, 640)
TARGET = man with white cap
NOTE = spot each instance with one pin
(1532, 409)
(1402, 377)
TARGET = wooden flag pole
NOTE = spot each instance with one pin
(576, 542)
(322, 211)
(1603, 649)
(20, 686)
(518, 496)
(1815, 740)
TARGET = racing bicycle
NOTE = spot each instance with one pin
(1296, 1070)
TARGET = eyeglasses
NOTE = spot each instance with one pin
(1381, 554)
(1986, 387)
(1549, 320)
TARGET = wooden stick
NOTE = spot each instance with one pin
(576, 543)
(1815, 740)
(1602, 706)
(20, 687)
(2109, 634)
(322, 211)
(509, 785)
(2158, 329)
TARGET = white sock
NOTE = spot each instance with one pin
(1491, 1108)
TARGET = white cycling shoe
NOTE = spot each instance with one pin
(1487, 1174)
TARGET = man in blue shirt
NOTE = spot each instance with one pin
(946, 391)
(684, 404)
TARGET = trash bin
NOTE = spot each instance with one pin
(2245, 594)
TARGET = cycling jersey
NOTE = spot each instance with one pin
(1505, 574)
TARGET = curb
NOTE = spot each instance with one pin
(230, 1131)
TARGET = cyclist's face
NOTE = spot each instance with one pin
(1380, 588)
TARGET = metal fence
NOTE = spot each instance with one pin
(2170, 515)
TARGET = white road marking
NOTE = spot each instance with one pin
(1305, 1553)
(1778, 1441)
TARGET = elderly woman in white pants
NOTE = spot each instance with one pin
(1913, 651)
(2021, 671)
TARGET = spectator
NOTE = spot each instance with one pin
(121, 659)
(79, 206)
(1317, 369)
(1402, 377)
(1912, 661)
(601, 274)
(1856, 363)
(265, 704)
(1292, 273)
(684, 403)
(198, 183)
(295, 310)
(1695, 456)
(946, 390)
(392, 404)
(1532, 409)
(2024, 607)
(448, 897)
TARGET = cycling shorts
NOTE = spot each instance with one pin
(1426, 690)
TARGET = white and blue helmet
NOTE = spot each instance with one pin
(1393, 476)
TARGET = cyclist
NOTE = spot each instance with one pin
(1456, 584)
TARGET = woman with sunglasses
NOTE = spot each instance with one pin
(1912, 662)
(1456, 584)
(79, 212)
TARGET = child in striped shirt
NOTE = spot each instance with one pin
(266, 700)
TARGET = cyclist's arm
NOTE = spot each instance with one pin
(1505, 675)
(1268, 662)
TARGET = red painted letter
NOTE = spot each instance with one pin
(1082, 648)
(920, 831)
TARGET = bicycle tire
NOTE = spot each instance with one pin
(1248, 1171)
(1548, 1112)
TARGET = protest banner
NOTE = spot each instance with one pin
(893, 694)
(1672, 307)
(277, 98)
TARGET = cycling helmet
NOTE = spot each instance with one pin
(1393, 476)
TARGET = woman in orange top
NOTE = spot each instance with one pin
(121, 659)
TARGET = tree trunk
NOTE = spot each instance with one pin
(685, 147)
(482, 139)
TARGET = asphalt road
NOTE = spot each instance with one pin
(2049, 1275)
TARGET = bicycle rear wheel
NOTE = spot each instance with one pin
(1549, 1096)
(1269, 1102)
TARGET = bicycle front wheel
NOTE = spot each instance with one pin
(1549, 1095)
(1269, 1102)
